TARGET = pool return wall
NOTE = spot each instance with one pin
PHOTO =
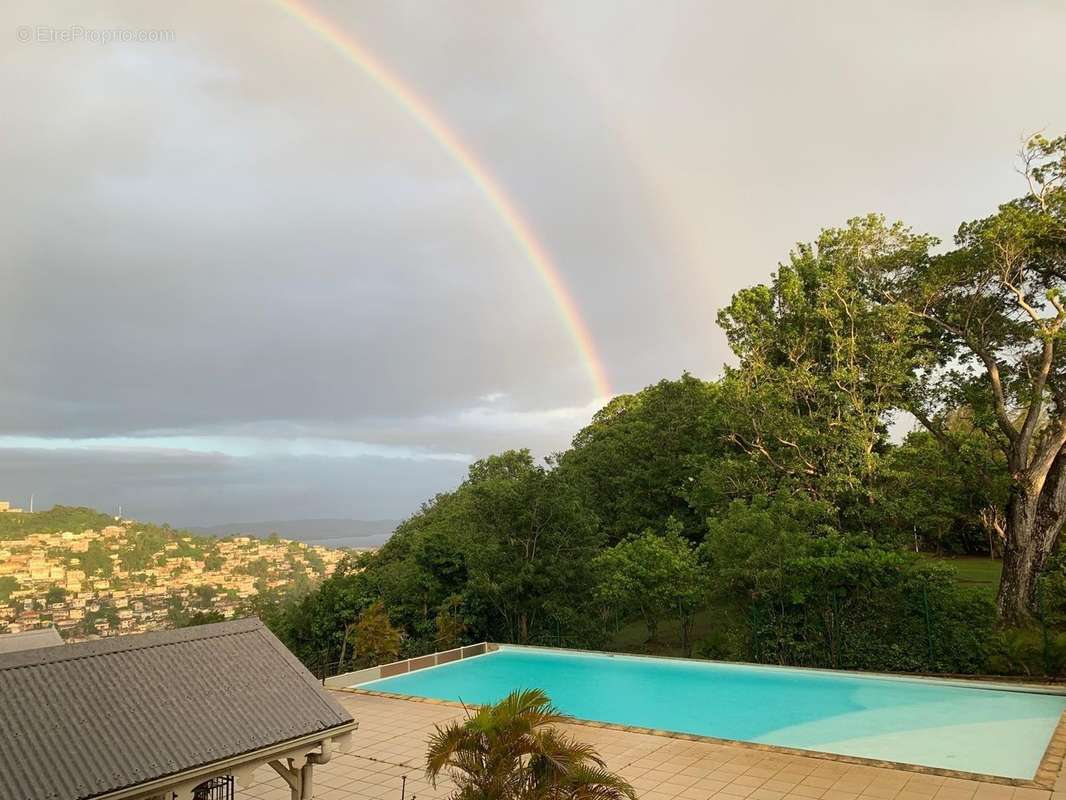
(348, 679)
(1050, 775)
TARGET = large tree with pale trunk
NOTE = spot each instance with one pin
(994, 312)
(869, 320)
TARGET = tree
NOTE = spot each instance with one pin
(376, 640)
(635, 461)
(205, 595)
(655, 575)
(8, 584)
(316, 623)
(512, 751)
(928, 497)
(450, 624)
(142, 548)
(993, 311)
(513, 543)
(97, 559)
(750, 545)
(56, 594)
(531, 546)
(822, 366)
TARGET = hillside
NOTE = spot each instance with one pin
(58, 518)
(91, 575)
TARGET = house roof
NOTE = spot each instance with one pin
(87, 719)
(29, 640)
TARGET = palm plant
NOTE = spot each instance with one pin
(512, 751)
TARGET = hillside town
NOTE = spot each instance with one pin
(129, 577)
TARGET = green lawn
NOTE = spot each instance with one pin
(632, 637)
(979, 571)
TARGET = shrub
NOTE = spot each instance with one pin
(832, 600)
(376, 640)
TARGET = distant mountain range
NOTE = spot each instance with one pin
(359, 533)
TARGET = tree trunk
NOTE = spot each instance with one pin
(1035, 517)
(523, 628)
(1017, 581)
(686, 634)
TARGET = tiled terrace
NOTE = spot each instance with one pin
(391, 742)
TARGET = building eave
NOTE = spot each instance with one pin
(226, 766)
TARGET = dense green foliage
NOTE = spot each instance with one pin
(816, 597)
(634, 463)
(376, 640)
(773, 509)
(653, 575)
(8, 584)
(788, 576)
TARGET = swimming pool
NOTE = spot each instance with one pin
(982, 728)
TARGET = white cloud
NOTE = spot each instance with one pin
(232, 446)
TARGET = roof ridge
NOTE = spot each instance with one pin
(98, 648)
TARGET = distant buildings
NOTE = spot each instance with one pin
(121, 579)
(5, 508)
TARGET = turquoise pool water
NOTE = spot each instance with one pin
(943, 724)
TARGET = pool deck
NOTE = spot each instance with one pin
(392, 735)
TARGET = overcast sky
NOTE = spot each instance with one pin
(240, 281)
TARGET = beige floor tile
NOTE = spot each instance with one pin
(921, 793)
(673, 788)
(1023, 793)
(883, 792)
(782, 783)
(808, 791)
(837, 794)
(818, 781)
(732, 790)
(747, 779)
(766, 794)
(695, 793)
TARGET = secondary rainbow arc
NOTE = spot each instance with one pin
(535, 253)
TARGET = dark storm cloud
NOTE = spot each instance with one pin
(237, 234)
(193, 489)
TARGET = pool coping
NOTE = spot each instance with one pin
(993, 682)
(1047, 774)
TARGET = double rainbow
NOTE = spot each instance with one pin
(454, 146)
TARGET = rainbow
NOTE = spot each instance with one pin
(449, 140)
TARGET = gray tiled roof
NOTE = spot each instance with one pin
(28, 640)
(82, 720)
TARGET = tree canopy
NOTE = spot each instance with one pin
(787, 499)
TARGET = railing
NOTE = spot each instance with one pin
(324, 669)
(346, 679)
(220, 788)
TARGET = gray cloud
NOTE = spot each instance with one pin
(199, 489)
(237, 233)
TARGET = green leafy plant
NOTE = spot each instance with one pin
(376, 640)
(513, 751)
